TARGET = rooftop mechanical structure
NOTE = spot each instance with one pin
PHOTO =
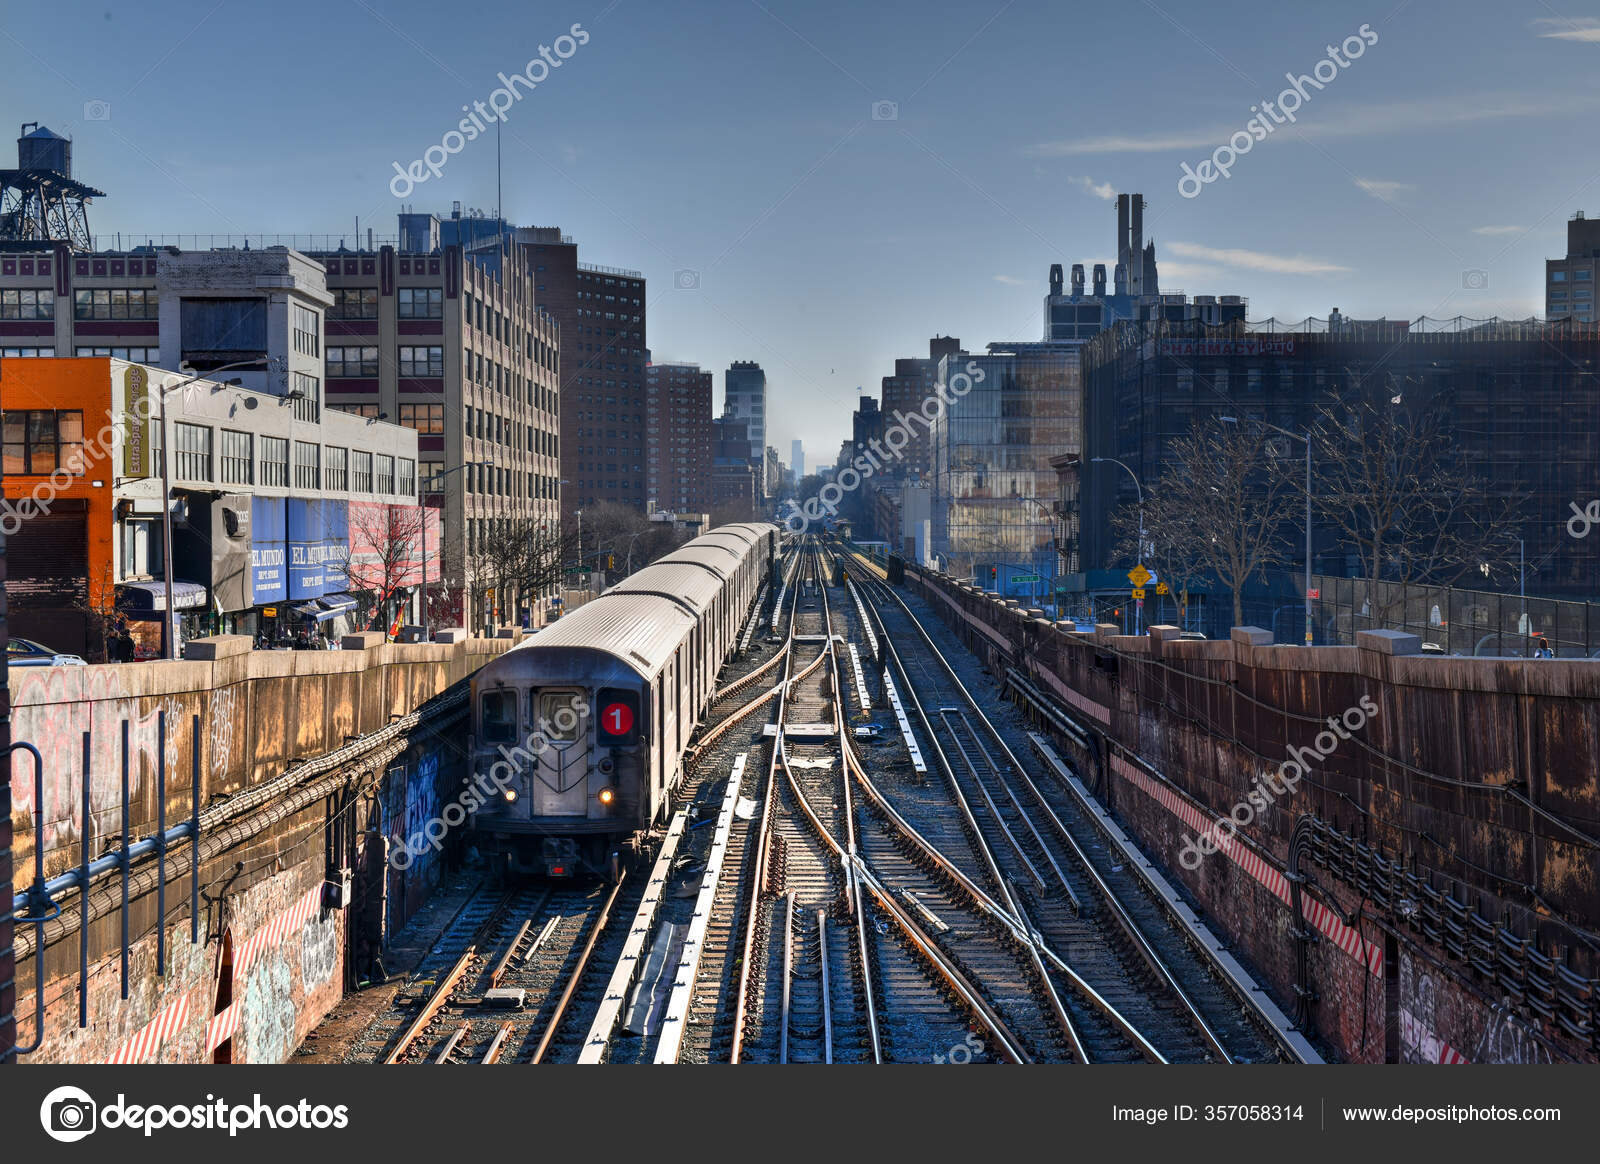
(39, 201)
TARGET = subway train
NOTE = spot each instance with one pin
(579, 731)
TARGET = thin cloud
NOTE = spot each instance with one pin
(1189, 272)
(1011, 280)
(1102, 190)
(1498, 229)
(1256, 260)
(1381, 189)
(1345, 120)
(1585, 29)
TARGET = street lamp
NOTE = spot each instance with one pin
(1138, 616)
(169, 636)
(423, 488)
(1307, 440)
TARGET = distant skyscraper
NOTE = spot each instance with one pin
(1569, 282)
(914, 381)
(797, 459)
(745, 396)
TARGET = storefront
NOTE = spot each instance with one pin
(144, 603)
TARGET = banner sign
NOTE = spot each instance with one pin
(135, 422)
(269, 576)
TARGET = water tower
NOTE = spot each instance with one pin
(39, 201)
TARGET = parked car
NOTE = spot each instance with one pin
(27, 653)
(1191, 635)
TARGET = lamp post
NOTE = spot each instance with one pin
(422, 490)
(169, 632)
(1138, 624)
(1306, 438)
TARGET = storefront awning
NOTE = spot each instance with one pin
(151, 597)
(338, 603)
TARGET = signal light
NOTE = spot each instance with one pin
(607, 796)
(511, 795)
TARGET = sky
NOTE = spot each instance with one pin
(822, 186)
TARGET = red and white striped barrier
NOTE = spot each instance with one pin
(154, 1034)
(1326, 921)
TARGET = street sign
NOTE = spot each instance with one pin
(1161, 588)
(1139, 594)
(1025, 578)
(270, 611)
(1139, 575)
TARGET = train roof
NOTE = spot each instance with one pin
(641, 630)
(686, 581)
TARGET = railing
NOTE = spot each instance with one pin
(124, 241)
(596, 269)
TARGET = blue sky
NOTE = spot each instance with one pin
(737, 139)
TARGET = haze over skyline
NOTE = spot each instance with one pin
(843, 184)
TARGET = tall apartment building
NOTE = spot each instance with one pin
(744, 395)
(601, 314)
(1569, 282)
(914, 381)
(451, 343)
(678, 437)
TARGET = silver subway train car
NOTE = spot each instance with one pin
(580, 730)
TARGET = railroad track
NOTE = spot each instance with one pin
(1141, 989)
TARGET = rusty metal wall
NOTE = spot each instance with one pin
(1455, 828)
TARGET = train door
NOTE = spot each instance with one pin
(561, 775)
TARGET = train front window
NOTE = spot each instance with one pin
(499, 712)
(561, 715)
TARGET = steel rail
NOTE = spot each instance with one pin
(576, 976)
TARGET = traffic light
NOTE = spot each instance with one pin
(611, 561)
(994, 572)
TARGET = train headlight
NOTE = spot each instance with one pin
(608, 796)
(511, 795)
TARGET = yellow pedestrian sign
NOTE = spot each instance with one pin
(1139, 575)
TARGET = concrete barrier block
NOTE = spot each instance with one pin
(1106, 630)
(514, 633)
(1162, 633)
(362, 640)
(1251, 636)
(217, 647)
(1389, 642)
(1066, 626)
(450, 634)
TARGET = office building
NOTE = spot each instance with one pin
(1569, 282)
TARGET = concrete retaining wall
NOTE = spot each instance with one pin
(1476, 775)
(272, 959)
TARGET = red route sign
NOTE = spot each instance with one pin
(616, 719)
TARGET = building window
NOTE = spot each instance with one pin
(354, 303)
(366, 411)
(337, 476)
(425, 418)
(407, 483)
(1558, 276)
(385, 482)
(422, 361)
(16, 353)
(430, 470)
(115, 303)
(307, 331)
(308, 402)
(352, 361)
(238, 458)
(38, 442)
(136, 355)
(307, 465)
(421, 303)
(28, 304)
(275, 462)
(193, 445)
(361, 471)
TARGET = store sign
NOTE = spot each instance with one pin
(318, 544)
(135, 422)
(1228, 347)
(269, 574)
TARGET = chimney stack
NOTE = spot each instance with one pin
(1099, 280)
(1055, 278)
(1077, 280)
(1135, 258)
(1122, 244)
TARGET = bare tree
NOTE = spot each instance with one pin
(1227, 500)
(522, 555)
(1390, 482)
(615, 536)
(96, 599)
(1171, 540)
(386, 554)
